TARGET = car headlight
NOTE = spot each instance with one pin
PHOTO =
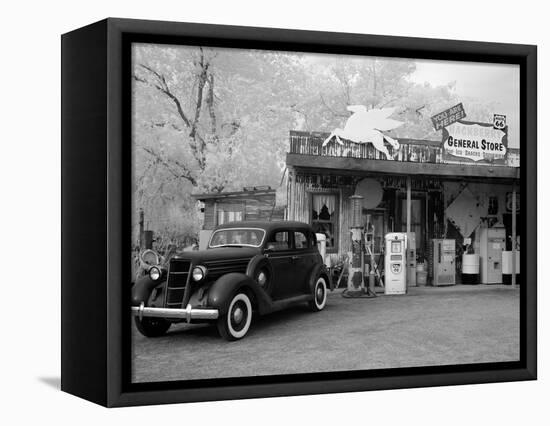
(199, 272)
(155, 273)
(262, 278)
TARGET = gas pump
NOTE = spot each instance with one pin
(356, 276)
(396, 263)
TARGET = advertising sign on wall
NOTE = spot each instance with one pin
(466, 141)
(449, 116)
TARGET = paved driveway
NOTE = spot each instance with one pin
(429, 326)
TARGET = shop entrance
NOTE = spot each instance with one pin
(418, 219)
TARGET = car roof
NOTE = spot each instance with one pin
(267, 225)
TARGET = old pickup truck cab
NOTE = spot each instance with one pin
(248, 267)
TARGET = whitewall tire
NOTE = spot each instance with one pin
(236, 322)
(319, 294)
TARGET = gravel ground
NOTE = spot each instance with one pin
(428, 326)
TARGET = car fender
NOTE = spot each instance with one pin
(260, 261)
(319, 269)
(142, 289)
(226, 286)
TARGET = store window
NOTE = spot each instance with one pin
(225, 216)
(324, 218)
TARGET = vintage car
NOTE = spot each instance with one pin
(247, 268)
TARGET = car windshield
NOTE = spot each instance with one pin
(251, 237)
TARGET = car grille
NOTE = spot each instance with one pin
(178, 278)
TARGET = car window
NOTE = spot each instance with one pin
(237, 237)
(301, 240)
(279, 241)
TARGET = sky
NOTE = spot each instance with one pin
(497, 83)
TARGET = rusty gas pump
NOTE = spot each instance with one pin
(356, 274)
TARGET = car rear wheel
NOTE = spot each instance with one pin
(152, 327)
(234, 324)
(319, 295)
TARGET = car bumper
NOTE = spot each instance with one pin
(186, 314)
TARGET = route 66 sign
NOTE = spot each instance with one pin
(499, 121)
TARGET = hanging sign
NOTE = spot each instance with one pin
(449, 116)
(475, 142)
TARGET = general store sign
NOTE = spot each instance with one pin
(449, 116)
(477, 142)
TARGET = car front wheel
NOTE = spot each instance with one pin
(152, 327)
(319, 295)
(235, 323)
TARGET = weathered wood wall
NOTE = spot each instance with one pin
(410, 150)
(303, 184)
(253, 207)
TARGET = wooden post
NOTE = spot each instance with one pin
(408, 204)
(147, 240)
(514, 251)
(444, 235)
(290, 194)
(426, 223)
(215, 213)
(141, 222)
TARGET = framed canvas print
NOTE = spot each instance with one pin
(252, 212)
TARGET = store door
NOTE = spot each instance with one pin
(418, 222)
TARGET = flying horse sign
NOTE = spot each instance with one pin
(366, 126)
(477, 142)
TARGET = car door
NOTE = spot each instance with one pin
(303, 260)
(278, 250)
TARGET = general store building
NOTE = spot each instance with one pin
(420, 191)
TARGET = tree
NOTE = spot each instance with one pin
(207, 120)
(213, 119)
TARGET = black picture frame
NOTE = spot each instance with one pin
(96, 210)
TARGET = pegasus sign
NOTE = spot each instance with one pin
(367, 126)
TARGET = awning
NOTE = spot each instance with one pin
(347, 164)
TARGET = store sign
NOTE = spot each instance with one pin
(448, 117)
(477, 142)
(499, 121)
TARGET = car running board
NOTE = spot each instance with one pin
(278, 305)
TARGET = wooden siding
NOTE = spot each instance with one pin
(300, 190)
(254, 207)
(410, 150)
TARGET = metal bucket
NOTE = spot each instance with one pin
(470, 268)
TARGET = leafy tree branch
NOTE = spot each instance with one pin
(169, 163)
